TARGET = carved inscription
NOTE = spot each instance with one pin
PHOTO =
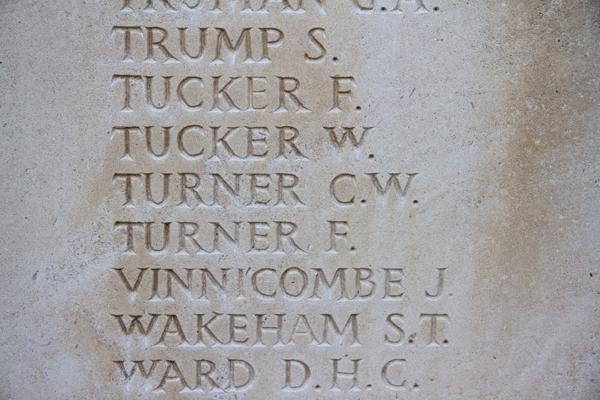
(248, 208)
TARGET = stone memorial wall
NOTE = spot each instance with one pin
(300, 199)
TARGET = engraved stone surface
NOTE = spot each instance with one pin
(300, 199)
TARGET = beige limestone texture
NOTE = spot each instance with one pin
(486, 112)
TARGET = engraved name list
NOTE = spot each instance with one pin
(243, 206)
